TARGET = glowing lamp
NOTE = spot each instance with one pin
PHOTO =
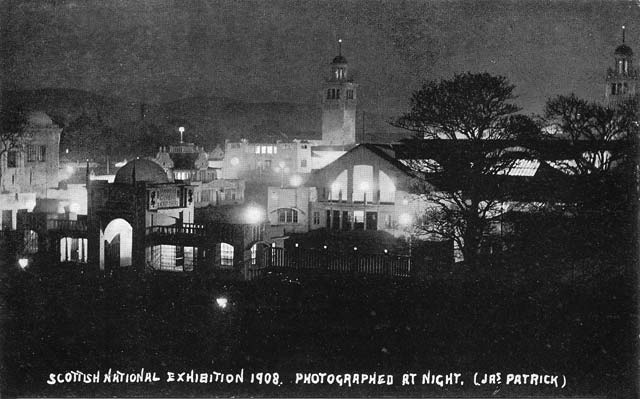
(74, 207)
(23, 263)
(296, 180)
(355, 248)
(253, 215)
(405, 219)
(222, 302)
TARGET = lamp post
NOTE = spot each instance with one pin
(406, 221)
(364, 186)
(181, 130)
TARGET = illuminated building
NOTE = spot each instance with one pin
(121, 214)
(365, 189)
(28, 172)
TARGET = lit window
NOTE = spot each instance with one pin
(254, 254)
(226, 254)
(264, 149)
(257, 149)
(287, 215)
(275, 150)
(270, 149)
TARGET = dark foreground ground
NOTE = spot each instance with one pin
(62, 321)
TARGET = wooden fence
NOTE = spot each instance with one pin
(329, 262)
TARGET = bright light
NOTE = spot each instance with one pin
(23, 263)
(253, 215)
(355, 248)
(235, 161)
(121, 164)
(385, 251)
(296, 180)
(222, 302)
(296, 245)
(66, 151)
(405, 219)
(324, 246)
(181, 129)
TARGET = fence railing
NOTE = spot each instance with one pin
(355, 263)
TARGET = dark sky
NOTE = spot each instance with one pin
(160, 50)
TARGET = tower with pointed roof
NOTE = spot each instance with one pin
(622, 79)
(339, 99)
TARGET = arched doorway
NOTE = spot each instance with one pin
(117, 242)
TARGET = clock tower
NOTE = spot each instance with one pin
(339, 99)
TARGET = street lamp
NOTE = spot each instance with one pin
(364, 186)
(181, 130)
(282, 168)
(23, 263)
(406, 221)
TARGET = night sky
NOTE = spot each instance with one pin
(161, 50)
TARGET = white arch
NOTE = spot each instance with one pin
(122, 228)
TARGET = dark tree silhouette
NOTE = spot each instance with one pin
(475, 110)
(590, 127)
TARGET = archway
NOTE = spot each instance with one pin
(118, 244)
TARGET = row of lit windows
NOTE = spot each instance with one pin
(623, 66)
(287, 215)
(334, 94)
(266, 149)
(35, 153)
(619, 88)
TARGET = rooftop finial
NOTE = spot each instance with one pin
(623, 28)
(339, 46)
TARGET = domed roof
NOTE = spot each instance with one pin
(145, 170)
(623, 49)
(339, 60)
(39, 118)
